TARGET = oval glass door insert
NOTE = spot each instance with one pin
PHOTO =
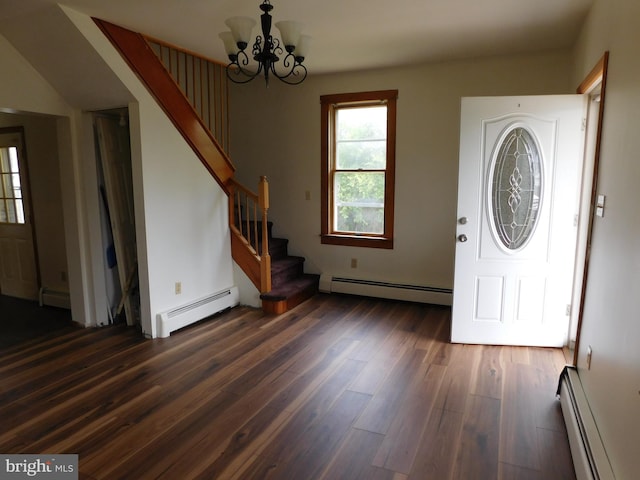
(516, 187)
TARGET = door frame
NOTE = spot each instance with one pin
(26, 179)
(596, 77)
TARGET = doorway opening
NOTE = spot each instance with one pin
(113, 154)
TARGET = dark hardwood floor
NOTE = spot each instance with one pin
(338, 388)
(22, 320)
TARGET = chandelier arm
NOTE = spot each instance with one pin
(236, 71)
(296, 73)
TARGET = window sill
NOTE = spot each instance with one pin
(357, 241)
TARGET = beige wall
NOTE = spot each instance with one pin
(611, 324)
(283, 144)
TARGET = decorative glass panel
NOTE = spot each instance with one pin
(516, 187)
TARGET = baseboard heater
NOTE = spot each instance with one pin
(589, 456)
(192, 312)
(394, 291)
(54, 298)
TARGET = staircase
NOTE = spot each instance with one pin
(197, 106)
(290, 286)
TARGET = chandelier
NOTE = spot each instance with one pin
(266, 49)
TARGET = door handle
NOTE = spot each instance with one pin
(462, 238)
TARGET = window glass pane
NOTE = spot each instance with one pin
(11, 203)
(19, 211)
(4, 160)
(7, 186)
(15, 181)
(11, 212)
(370, 155)
(361, 138)
(13, 159)
(359, 202)
(362, 123)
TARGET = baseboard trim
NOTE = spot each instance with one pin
(380, 289)
(587, 449)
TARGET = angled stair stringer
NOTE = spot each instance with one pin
(143, 61)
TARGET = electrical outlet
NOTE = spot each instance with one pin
(178, 288)
(589, 353)
(354, 263)
(307, 195)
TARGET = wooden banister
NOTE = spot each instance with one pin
(248, 221)
(143, 61)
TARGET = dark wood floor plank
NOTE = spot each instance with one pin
(400, 445)
(454, 392)
(142, 427)
(488, 380)
(554, 448)
(439, 446)
(479, 442)
(518, 429)
(513, 472)
(247, 416)
(200, 450)
(385, 403)
(339, 387)
(381, 320)
(293, 409)
(306, 458)
(354, 460)
(382, 363)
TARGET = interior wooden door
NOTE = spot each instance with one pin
(18, 266)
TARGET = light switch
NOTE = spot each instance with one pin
(600, 206)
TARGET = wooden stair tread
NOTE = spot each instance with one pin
(295, 291)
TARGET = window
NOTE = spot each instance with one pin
(11, 202)
(358, 168)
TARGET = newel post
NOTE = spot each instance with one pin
(265, 261)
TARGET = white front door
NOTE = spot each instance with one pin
(518, 190)
(18, 274)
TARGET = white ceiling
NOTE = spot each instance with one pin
(349, 34)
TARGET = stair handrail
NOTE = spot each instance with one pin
(136, 51)
(248, 222)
